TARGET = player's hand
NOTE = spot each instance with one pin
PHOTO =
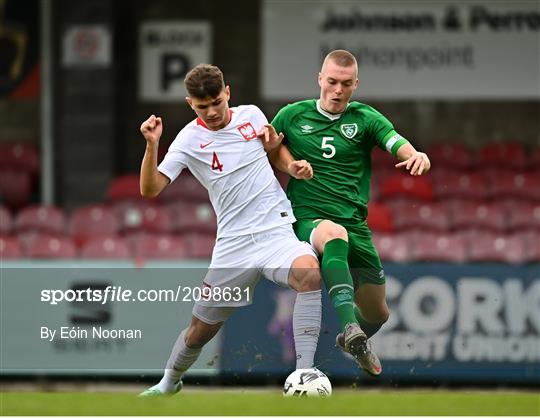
(152, 128)
(417, 164)
(270, 137)
(300, 170)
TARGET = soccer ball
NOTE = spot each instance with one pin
(307, 382)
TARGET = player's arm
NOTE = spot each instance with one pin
(280, 156)
(152, 182)
(417, 163)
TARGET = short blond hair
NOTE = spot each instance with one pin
(342, 58)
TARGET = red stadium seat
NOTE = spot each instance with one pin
(200, 245)
(26, 238)
(10, 248)
(379, 217)
(19, 156)
(534, 160)
(161, 247)
(405, 185)
(524, 215)
(450, 154)
(6, 221)
(48, 219)
(476, 215)
(195, 218)
(150, 218)
(491, 247)
(45, 246)
(185, 188)
(132, 237)
(109, 248)
(531, 243)
(381, 174)
(518, 185)
(502, 154)
(125, 187)
(461, 185)
(92, 221)
(392, 247)
(449, 248)
(382, 160)
(430, 216)
(15, 188)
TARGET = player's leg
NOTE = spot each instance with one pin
(371, 310)
(370, 283)
(188, 347)
(293, 264)
(331, 240)
(305, 278)
(208, 315)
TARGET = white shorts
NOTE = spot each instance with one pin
(238, 263)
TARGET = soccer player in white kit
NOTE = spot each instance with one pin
(224, 151)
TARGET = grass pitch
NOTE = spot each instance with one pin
(435, 402)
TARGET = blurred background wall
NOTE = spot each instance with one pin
(97, 106)
(461, 245)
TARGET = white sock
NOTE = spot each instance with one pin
(181, 359)
(306, 327)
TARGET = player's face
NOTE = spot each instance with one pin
(337, 86)
(214, 111)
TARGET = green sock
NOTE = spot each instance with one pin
(338, 279)
(368, 327)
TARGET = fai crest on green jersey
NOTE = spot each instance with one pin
(349, 130)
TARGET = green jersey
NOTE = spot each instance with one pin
(338, 147)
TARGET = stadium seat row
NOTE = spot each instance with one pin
(137, 246)
(441, 183)
(100, 220)
(455, 154)
(466, 246)
(453, 215)
(181, 217)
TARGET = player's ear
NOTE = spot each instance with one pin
(189, 102)
(356, 83)
(228, 92)
(319, 80)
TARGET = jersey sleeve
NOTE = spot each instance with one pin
(280, 121)
(384, 135)
(175, 160)
(259, 118)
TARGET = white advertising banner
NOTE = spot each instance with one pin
(168, 50)
(405, 49)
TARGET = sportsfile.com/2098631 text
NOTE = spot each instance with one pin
(120, 294)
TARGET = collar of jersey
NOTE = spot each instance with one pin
(330, 116)
(200, 122)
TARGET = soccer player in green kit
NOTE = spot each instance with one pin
(337, 136)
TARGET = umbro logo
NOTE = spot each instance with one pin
(203, 146)
(306, 129)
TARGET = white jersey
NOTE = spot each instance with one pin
(232, 165)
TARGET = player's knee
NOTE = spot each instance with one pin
(309, 280)
(306, 276)
(334, 231)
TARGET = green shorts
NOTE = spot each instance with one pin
(364, 260)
